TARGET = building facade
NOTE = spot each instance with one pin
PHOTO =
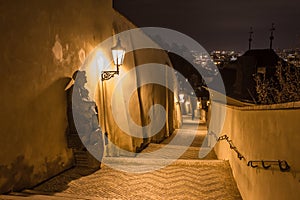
(43, 43)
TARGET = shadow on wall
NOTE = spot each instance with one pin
(14, 178)
(42, 150)
(49, 186)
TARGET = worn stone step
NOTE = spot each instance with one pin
(176, 147)
(173, 151)
(40, 195)
(151, 161)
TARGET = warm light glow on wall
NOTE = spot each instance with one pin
(176, 99)
(96, 62)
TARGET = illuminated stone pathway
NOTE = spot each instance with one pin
(186, 178)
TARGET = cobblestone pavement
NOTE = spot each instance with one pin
(186, 178)
(192, 151)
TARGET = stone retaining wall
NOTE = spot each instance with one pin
(263, 133)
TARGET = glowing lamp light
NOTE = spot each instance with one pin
(181, 98)
(118, 53)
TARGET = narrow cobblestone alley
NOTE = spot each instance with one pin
(187, 178)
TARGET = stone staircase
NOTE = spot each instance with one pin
(184, 179)
(82, 158)
(160, 177)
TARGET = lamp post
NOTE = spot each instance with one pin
(118, 53)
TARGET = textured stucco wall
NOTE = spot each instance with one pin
(261, 134)
(42, 44)
(143, 98)
(139, 103)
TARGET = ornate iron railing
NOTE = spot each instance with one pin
(265, 164)
(225, 137)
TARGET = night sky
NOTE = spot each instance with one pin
(220, 24)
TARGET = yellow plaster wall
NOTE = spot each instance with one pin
(34, 75)
(261, 134)
(42, 44)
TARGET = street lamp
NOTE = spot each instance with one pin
(118, 53)
(181, 98)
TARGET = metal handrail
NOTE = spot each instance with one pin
(225, 137)
(265, 164)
